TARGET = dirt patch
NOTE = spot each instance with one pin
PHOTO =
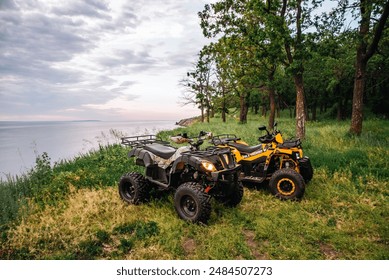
(328, 251)
(189, 246)
(249, 237)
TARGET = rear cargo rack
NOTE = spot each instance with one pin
(142, 140)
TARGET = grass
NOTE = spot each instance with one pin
(73, 210)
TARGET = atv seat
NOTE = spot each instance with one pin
(288, 144)
(160, 150)
(244, 148)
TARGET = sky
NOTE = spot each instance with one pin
(96, 59)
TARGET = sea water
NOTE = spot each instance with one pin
(22, 142)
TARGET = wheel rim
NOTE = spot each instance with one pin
(286, 186)
(188, 206)
(129, 190)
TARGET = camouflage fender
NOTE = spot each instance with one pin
(141, 154)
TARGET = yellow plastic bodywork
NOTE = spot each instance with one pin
(279, 138)
(268, 151)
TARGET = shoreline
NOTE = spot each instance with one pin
(188, 121)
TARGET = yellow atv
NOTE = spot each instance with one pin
(278, 162)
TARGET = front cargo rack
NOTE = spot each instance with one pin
(223, 139)
(142, 140)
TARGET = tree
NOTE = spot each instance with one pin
(222, 83)
(370, 32)
(198, 84)
(329, 73)
(273, 31)
(238, 47)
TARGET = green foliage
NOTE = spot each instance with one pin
(89, 249)
(252, 39)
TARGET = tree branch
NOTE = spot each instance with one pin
(378, 32)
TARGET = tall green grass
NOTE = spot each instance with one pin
(72, 210)
(47, 183)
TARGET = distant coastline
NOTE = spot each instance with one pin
(188, 121)
(86, 121)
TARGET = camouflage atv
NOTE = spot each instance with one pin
(195, 176)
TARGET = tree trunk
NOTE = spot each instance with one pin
(256, 109)
(272, 108)
(278, 106)
(339, 107)
(202, 111)
(300, 106)
(243, 109)
(264, 109)
(359, 86)
(364, 53)
(272, 99)
(339, 111)
(224, 106)
(212, 111)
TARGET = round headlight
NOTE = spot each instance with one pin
(208, 166)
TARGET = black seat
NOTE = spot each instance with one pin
(246, 149)
(290, 144)
(160, 150)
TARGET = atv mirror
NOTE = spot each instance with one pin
(262, 127)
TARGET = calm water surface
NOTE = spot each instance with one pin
(21, 142)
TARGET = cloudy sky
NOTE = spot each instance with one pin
(96, 59)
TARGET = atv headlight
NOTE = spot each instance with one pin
(208, 166)
(296, 155)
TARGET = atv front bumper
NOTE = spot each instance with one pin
(226, 176)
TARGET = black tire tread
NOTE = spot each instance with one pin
(203, 198)
(141, 185)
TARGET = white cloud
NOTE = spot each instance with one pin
(89, 59)
(118, 103)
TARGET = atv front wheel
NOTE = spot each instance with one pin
(133, 188)
(192, 203)
(287, 184)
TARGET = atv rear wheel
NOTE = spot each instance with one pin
(287, 184)
(134, 188)
(192, 203)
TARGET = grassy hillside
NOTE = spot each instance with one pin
(73, 210)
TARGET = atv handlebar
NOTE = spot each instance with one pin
(268, 138)
(184, 138)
